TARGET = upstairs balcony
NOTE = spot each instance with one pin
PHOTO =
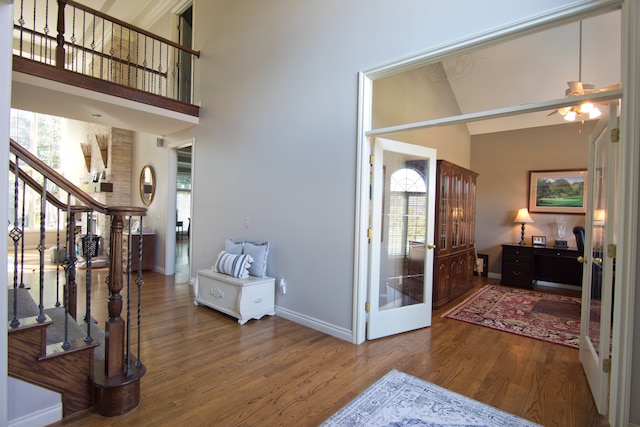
(73, 61)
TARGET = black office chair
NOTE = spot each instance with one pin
(578, 231)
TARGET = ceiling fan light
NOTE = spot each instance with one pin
(587, 107)
(563, 110)
(570, 116)
(595, 113)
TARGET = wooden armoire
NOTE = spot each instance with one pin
(454, 256)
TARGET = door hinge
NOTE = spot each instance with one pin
(606, 366)
(611, 250)
(371, 159)
(367, 306)
(615, 135)
(369, 232)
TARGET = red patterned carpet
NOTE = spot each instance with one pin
(547, 317)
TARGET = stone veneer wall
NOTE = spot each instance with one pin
(117, 171)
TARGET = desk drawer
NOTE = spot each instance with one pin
(517, 276)
(517, 260)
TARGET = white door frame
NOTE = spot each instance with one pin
(629, 176)
(172, 192)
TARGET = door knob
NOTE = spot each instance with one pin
(582, 259)
(431, 246)
(597, 261)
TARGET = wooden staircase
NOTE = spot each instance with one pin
(53, 347)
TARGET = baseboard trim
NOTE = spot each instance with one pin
(42, 417)
(318, 325)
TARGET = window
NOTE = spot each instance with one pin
(41, 134)
(407, 211)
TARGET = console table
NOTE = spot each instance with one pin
(522, 266)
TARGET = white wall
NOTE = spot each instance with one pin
(6, 19)
(146, 152)
(277, 82)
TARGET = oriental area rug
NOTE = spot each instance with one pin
(399, 399)
(547, 317)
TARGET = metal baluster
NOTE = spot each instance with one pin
(144, 63)
(120, 64)
(33, 33)
(127, 366)
(137, 58)
(153, 55)
(15, 234)
(101, 50)
(175, 73)
(67, 268)
(57, 251)
(41, 248)
(21, 22)
(74, 47)
(129, 58)
(166, 85)
(139, 282)
(24, 188)
(93, 47)
(88, 256)
(47, 51)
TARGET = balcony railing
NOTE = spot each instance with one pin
(74, 37)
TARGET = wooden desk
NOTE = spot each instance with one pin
(524, 265)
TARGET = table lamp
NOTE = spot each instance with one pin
(523, 218)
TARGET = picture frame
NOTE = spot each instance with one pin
(558, 191)
(539, 240)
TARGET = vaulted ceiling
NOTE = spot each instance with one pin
(533, 68)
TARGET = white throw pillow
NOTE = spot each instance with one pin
(233, 264)
(259, 252)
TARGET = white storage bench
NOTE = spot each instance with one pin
(245, 299)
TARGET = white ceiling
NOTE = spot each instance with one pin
(531, 69)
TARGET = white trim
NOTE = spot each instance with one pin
(361, 247)
(172, 194)
(627, 220)
(313, 323)
(39, 418)
(569, 13)
(499, 113)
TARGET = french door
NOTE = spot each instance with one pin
(599, 260)
(401, 237)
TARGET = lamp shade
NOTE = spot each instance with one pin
(523, 217)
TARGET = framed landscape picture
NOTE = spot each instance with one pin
(561, 191)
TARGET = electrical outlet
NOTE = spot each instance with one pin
(283, 287)
(246, 223)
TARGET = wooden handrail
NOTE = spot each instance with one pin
(130, 27)
(35, 185)
(33, 161)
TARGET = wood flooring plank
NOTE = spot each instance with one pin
(205, 369)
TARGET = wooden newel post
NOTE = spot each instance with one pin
(115, 327)
(60, 54)
(116, 388)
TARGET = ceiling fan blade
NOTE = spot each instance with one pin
(608, 88)
(552, 113)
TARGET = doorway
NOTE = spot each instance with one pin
(183, 210)
(368, 130)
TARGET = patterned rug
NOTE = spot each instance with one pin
(399, 399)
(547, 317)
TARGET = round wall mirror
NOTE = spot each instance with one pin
(147, 185)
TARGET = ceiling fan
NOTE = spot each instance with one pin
(579, 88)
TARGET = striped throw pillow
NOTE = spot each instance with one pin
(233, 265)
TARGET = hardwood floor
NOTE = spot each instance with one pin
(204, 369)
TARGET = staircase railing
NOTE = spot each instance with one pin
(116, 378)
(74, 37)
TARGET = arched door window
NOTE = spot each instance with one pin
(407, 211)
